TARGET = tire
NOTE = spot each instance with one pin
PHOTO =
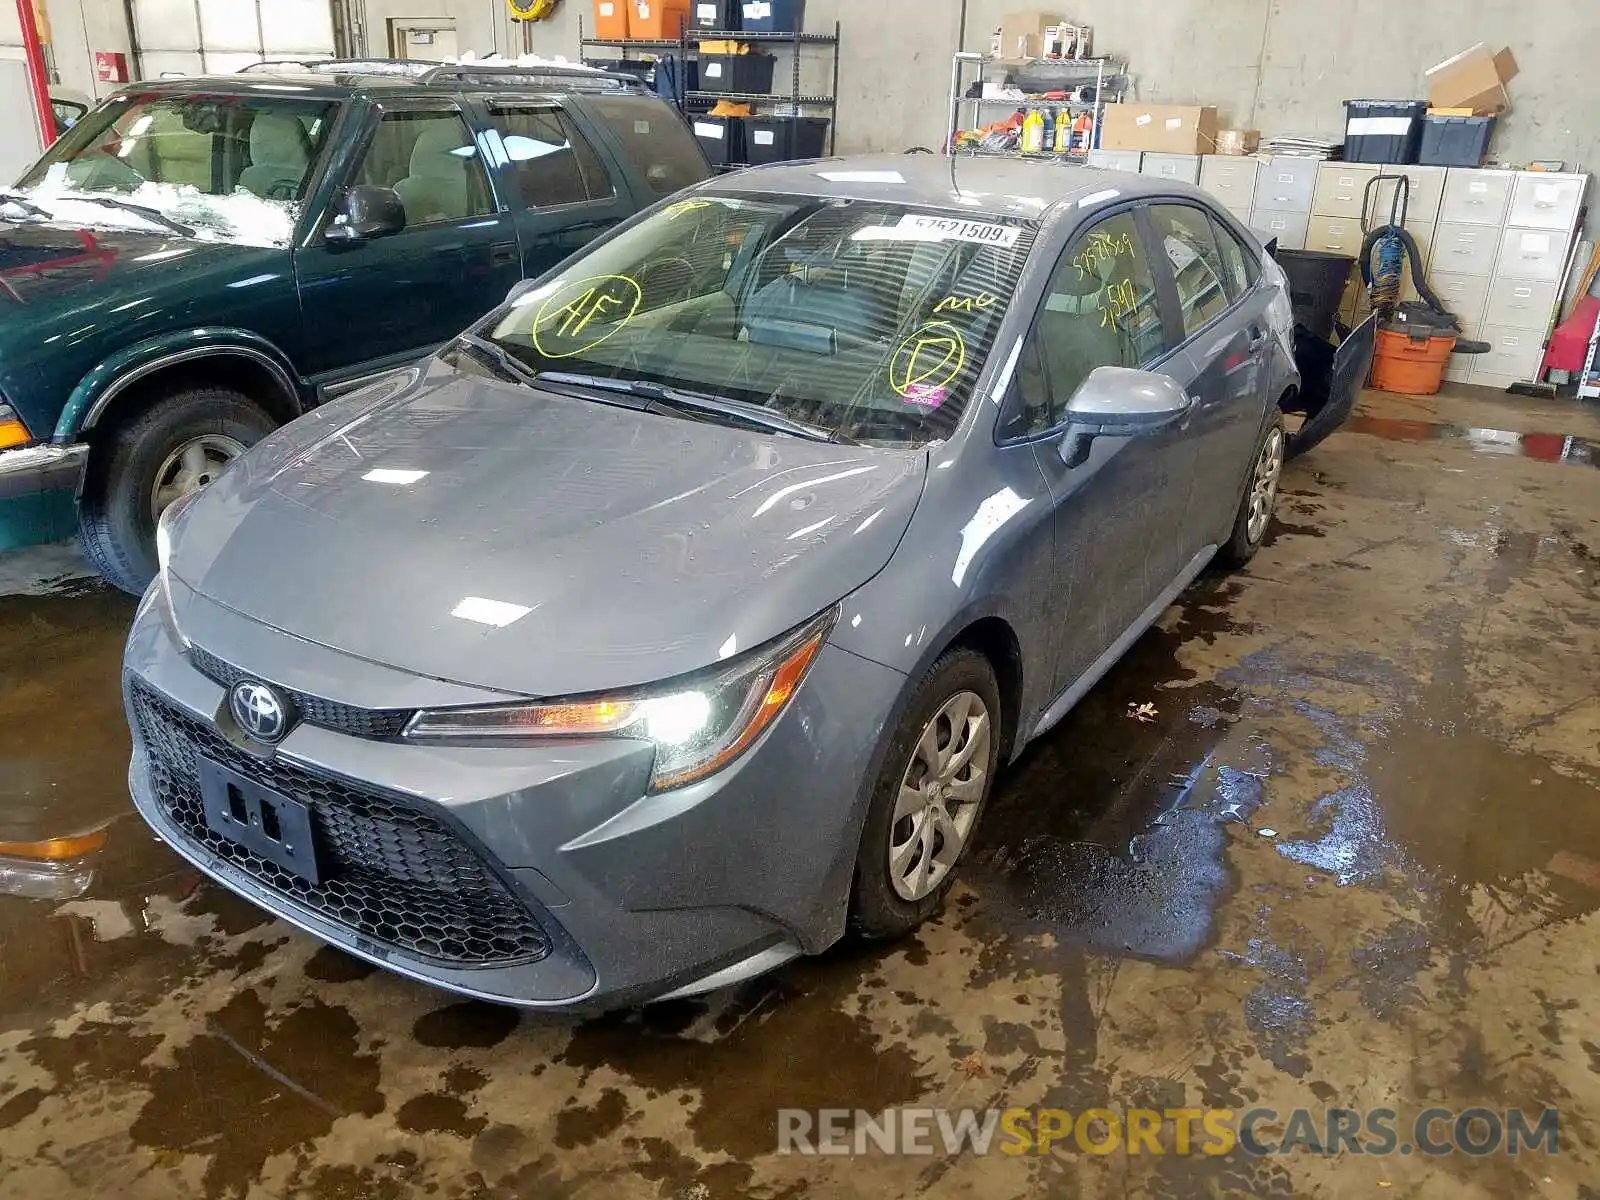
(117, 517)
(878, 908)
(1266, 471)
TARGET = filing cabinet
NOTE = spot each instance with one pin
(1335, 235)
(1513, 354)
(1520, 303)
(1341, 189)
(1465, 296)
(1288, 227)
(1539, 254)
(1477, 197)
(1546, 201)
(1116, 160)
(1232, 180)
(1183, 167)
(1464, 249)
(1286, 184)
(1422, 204)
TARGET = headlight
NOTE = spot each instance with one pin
(164, 524)
(698, 725)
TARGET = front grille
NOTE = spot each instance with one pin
(376, 724)
(391, 871)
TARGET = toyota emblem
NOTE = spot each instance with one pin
(259, 712)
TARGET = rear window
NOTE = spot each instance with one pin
(657, 142)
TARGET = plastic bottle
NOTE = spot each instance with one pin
(1048, 144)
(1032, 133)
(1064, 129)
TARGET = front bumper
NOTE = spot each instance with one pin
(639, 896)
(32, 470)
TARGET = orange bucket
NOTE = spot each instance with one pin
(611, 19)
(657, 20)
(1410, 365)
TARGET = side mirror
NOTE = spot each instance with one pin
(521, 289)
(1119, 402)
(368, 212)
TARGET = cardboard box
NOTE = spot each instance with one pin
(1474, 79)
(1161, 128)
(1022, 33)
(1238, 141)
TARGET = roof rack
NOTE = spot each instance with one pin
(343, 66)
(572, 77)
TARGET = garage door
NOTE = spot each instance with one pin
(198, 37)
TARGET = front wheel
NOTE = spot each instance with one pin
(928, 798)
(1260, 498)
(175, 447)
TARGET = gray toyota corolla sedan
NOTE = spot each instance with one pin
(677, 618)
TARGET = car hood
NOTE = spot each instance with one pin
(61, 267)
(545, 545)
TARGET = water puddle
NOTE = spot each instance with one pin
(1565, 448)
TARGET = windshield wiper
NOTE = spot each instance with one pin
(736, 411)
(17, 200)
(138, 210)
(513, 370)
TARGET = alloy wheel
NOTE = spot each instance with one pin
(1264, 485)
(940, 793)
(191, 467)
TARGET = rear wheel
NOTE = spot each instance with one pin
(1260, 498)
(173, 448)
(928, 798)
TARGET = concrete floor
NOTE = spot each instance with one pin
(1352, 859)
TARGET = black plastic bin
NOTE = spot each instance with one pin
(776, 139)
(774, 16)
(716, 14)
(737, 73)
(722, 138)
(1383, 131)
(1317, 281)
(1455, 141)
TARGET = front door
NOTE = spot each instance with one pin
(373, 303)
(1119, 515)
(565, 193)
(1225, 332)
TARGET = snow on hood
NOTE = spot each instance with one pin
(243, 218)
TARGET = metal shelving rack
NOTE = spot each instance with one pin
(959, 104)
(795, 100)
(1589, 377)
(688, 46)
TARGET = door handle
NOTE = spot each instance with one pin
(504, 254)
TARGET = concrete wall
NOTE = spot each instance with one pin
(1277, 65)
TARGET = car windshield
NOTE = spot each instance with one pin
(224, 167)
(868, 320)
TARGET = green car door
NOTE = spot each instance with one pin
(375, 293)
(566, 191)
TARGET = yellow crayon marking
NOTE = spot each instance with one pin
(610, 300)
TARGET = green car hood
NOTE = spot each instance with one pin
(72, 299)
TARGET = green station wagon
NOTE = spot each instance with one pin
(201, 260)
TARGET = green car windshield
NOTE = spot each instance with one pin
(866, 319)
(236, 167)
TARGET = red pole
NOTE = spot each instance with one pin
(38, 76)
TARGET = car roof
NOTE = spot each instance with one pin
(332, 79)
(965, 184)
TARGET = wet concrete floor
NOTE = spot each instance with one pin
(1348, 855)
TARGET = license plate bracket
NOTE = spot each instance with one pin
(266, 822)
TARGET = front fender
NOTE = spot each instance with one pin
(108, 379)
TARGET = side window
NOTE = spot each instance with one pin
(1100, 310)
(655, 139)
(1191, 247)
(1240, 269)
(432, 160)
(551, 162)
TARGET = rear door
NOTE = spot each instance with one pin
(1223, 319)
(1119, 524)
(565, 191)
(374, 303)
